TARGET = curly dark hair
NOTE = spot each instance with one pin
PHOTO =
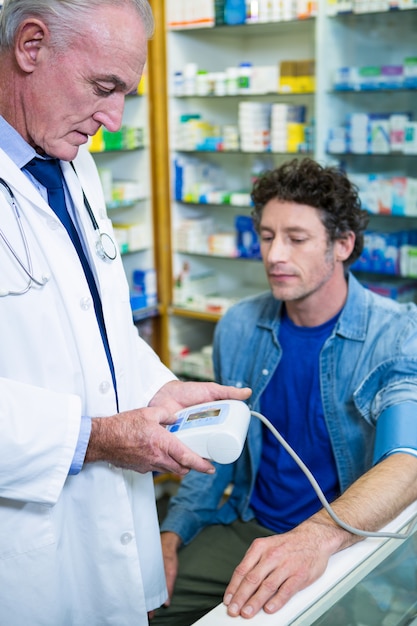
(325, 188)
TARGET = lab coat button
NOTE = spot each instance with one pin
(53, 223)
(126, 538)
(85, 303)
(104, 386)
(265, 372)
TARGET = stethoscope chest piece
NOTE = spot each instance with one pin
(105, 247)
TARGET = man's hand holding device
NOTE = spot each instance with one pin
(214, 430)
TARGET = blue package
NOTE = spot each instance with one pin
(247, 238)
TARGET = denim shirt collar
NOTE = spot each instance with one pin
(351, 324)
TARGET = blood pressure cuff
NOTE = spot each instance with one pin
(396, 431)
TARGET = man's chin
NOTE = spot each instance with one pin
(284, 293)
(67, 152)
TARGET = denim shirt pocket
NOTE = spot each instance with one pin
(392, 382)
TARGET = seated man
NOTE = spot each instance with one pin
(333, 366)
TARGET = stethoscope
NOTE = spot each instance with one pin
(28, 268)
(105, 246)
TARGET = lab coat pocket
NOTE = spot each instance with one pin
(24, 527)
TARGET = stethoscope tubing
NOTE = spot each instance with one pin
(105, 246)
(103, 239)
(29, 269)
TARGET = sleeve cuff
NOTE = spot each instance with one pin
(81, 449)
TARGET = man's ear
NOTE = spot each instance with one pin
(30, 40)
(344, 246)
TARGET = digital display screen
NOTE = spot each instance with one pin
(202, 414)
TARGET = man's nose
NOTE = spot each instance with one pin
(110, 116)
(278, 251)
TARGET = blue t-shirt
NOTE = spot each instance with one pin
(283, 497)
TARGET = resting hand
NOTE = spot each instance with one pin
(177, 395)
(139, 441)
(275, 568)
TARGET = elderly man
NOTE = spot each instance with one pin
(83, 400)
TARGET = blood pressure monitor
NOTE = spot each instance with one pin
(214, 430)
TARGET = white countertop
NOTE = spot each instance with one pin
(344, 570)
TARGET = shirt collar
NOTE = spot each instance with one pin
(17, 149)
(351, 324)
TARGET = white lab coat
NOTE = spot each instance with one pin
(81, 550)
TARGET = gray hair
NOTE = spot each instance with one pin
(64, 17)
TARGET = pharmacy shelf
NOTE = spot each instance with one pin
(114, 151)
(132, 167)
(254, 153)
(197, 315)
(368, 90)
(248, 96)
(388, 157)
(333, 41)
(216, 205)
(223, 257)
(258, 29)
(363, 40)
(115, 205)
(145, 313)
(215, 49)
(371, 40)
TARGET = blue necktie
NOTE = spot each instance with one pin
(48, 173)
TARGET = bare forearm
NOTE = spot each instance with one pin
(373, 500)
(102, 440)
(170, 542)
(283, 564)
(138, 440)
(115, 439)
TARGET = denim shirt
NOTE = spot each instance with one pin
(368, 364)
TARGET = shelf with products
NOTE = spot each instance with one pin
(215, 204)
(216, 50)
(370, 129)
(203, 113)
(260, 28)
(211, 283)
(221, 137)
(123, 162)
(250, 96)
(226, 152)
(372, 90)
(371, 77)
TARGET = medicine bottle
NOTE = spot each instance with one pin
(232, 81)
(220, 83)
(178, 84)
(190, 79)
(202, 83)
(245, 72)
(235, 12)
